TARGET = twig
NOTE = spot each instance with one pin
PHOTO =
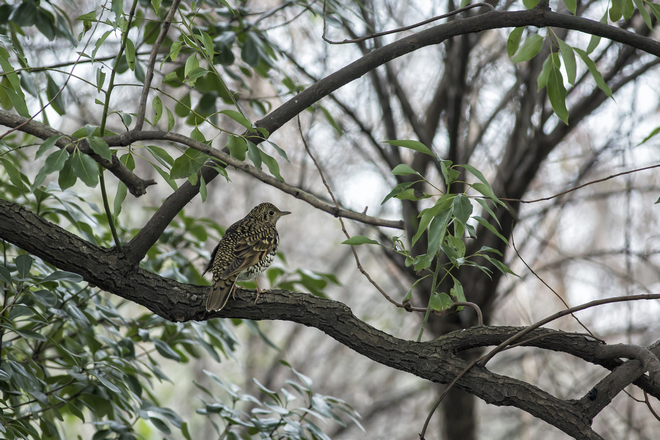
(394, 31)
(650, 167)
(548, 286)
(648, 404)
(343, 227)
(104, 120)
(142, 109)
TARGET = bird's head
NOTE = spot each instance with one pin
(267, 212)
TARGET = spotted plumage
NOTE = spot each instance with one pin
(246, 250)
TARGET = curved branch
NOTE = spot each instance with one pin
(434, 360)
(136, 185)
(149, 235)
(327, 85)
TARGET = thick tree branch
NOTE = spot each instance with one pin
(435, 35)
(136, 185)
(434, 360)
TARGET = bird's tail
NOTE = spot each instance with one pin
(219, 294)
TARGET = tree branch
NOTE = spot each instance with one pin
(142, 108)
(148, 236)
(434, 360)
(136, 185)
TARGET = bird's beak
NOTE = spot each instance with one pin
(286, 212)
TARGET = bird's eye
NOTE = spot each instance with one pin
(271, 212)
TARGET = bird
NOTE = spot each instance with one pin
(246, 250)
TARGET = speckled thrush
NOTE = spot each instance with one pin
(246, 250)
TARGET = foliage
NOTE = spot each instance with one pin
(70, 351)
(447, 225)
(283, 421)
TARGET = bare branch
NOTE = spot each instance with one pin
(142, 109)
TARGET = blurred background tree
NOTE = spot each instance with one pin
(151, 91)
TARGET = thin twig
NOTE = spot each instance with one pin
(394, 31)
(343, 227)
(650, 167)
(548, 286)
(648, 404)
(142, 109)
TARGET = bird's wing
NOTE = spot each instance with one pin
(247, 252)
(210, 265)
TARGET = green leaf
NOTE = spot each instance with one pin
(542, 80)
(85, 168)
(571, 5)
(653, 133)
(628, 9)
(106, 383)
(130, 54)
(61, 275)
(530, 48)
(237, 147)
(397, 189)
(161, 155)
(120, 196)
(236, 116)
(100, 79)
(188, 163)
(457, 291)
(437, 231)
(485, 190)
(557, 94)
(55, 162)
(54, 95)
(194, 74)
(412, 145)
(440, 301)
(17, 102)
(165, 350)
(513, 42)
(202, 188)
(568, 56)
(67, 177)
(272, 165)
(14, 175)
(45, 297)
(595, 39)
(616, 11)
(48, 143)
(100, 147)
(655, 8)
(5, 275)
(600, 82)
(529, 4)
(490, 227)
(254, 153)
(644, 13)
(462, 208)
(23, 265)
(182, 107)
(170, 119)
(10, 72)
(357, 240)
(403, 170)
(331, 120)
(157, 106)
